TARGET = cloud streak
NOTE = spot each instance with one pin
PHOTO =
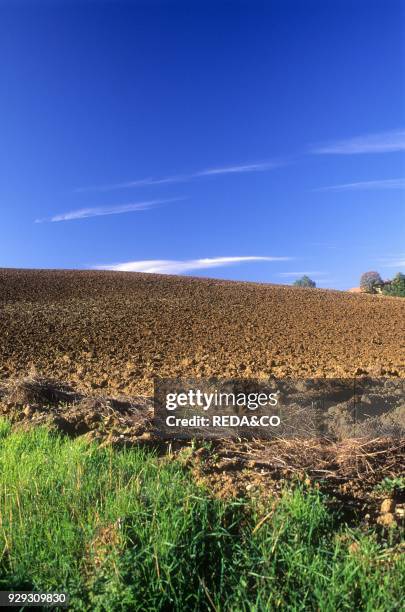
(397, 183)
(255, 167)
(101, 211)
(186, 178)
(396, 261)
(169, 266)
(383, 142)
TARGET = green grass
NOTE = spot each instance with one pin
(391, 485)
(123, 530)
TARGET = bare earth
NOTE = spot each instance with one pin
(107, 334)
(115, 331)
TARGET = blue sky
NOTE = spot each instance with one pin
(241, 140)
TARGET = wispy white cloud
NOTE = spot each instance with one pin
(169, 266)
(101, 211)
(394, 261)
(256, 167)
(138, 183)
(383, 142)
(397, 183)
(185, 178)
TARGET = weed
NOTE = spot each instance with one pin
(123, 530)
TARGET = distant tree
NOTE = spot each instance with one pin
(370, 281)
(305, 281)
(396, 287)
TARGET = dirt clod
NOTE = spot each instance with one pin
(387, 505)
(386, 520)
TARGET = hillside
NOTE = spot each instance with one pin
(116, 330)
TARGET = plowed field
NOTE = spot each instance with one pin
(117, 330)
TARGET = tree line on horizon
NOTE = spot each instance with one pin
(370, 282)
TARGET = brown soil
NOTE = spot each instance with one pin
(29, 402)
(115, 331)
(107, 334)
(349, 470)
